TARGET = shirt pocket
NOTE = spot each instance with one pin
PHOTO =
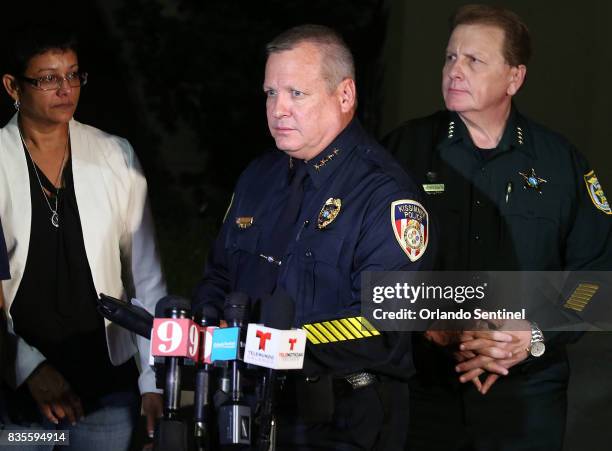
(241, 245)
(531, 225)
(320, 278)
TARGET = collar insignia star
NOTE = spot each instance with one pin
(326, 159)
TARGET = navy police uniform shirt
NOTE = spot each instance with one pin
(4, 263)
(349, 222)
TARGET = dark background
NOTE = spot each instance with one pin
(181, 80)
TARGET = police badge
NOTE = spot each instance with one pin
(596, 192)
(329, 212)
(532, 181)
(410, 223)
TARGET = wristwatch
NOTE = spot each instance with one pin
(537, 346)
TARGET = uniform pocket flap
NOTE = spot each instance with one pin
(324, 247)
(244, 240)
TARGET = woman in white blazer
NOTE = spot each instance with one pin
(73, 201)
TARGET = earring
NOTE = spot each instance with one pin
(17, 104)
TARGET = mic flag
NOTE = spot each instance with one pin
(225, 344)
(263, 337)
(175, 337)
(275, 349)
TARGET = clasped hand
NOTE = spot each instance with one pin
(492, 348)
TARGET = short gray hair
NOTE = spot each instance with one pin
(337, 62)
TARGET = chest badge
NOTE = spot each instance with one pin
(329, 212)
(596, 192)
(244, 222)
(532, 181)
(410, 223)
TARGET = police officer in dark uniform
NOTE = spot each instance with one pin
(309, 218)
(509, 195)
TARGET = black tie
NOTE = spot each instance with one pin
(281, 233)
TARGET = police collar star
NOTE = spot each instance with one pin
(326, 159)
(532, 181)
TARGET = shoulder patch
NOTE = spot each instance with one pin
(410, 223)
(596, 192)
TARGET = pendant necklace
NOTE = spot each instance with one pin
(54, 213)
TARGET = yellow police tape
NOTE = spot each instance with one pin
(339, 330)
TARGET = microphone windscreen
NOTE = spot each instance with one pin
(207, 316)
(166, 304)
(128, 316)
(278, 310)
(237, 308)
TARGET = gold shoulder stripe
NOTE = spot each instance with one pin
(365, 323)
(329, 326)
(358, 325)
(325, 332)
(581, 296)
(342, 329)
(311, 338)
(350, 327)
(310, 328)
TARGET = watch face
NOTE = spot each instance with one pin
(537, 349)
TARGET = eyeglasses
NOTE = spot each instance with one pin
(51, 82)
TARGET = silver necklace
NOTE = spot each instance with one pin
(54, 213)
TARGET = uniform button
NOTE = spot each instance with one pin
(478, 203)
(477, 237)
(308, 253)
(483, 169)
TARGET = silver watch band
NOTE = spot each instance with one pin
(537, 346)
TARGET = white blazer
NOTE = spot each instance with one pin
(111, 193)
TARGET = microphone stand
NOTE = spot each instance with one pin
(203, 429)
(171, 432)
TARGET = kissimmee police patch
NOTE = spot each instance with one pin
(596, 192)
(410, 223)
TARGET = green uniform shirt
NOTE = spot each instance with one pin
(533, 203)
(490, 217)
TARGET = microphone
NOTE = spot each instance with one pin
(237, 312)
(127, 315)
(234, 415)
(171, 317)
(207, 317)
(173, 307)
(237, 309)
(277, 312)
